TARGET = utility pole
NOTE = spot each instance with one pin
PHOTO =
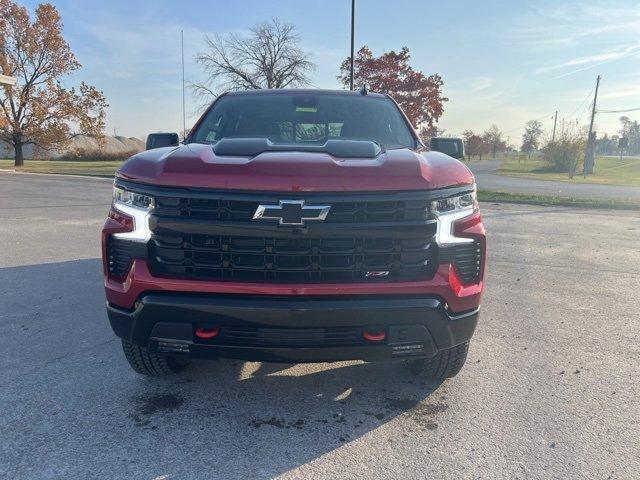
(184, 115)
(589, 157)
(353, 26)
(555, 121)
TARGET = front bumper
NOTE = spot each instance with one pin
(293, 328)
(125, 293)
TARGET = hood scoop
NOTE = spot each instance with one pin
(251, 147)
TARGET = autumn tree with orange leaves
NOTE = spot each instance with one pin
(419, 95)
(38, 110)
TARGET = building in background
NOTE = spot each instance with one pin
(6, 80)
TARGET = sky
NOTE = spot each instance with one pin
(502, 62)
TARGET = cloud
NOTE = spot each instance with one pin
(573, 24)
(126, 52)
(599, 59)
(470, 86)
(480, 83)
(622, 92)
(566, 74)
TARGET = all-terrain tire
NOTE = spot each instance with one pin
(149, 363)
(446, 364)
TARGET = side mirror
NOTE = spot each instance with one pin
(159, 140)
(449, 146)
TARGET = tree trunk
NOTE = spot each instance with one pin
(17, 147)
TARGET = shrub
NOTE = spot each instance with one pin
(81, 155)
(564, 154)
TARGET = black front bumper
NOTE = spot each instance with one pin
(292, 329)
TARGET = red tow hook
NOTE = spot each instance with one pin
(207, 333)
(374, 336)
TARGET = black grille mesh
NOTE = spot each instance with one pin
(288, 337)
(120, 256)
(289, 260)
(341, 211)
(467, 259)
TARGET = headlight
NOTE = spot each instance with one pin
(132, 199)
(447, 206)
(137, 206)
(448, 211)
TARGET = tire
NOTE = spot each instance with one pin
(149, 363)
(446, 363)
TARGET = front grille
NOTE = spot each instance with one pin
(342, 211)
(366, 237)
(288, 337)
(289, 260)
(467, 259)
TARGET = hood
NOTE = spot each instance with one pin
(196, 165)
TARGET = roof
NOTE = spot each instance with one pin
(303, 91)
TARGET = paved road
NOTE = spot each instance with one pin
(488, 180)
(550, 390)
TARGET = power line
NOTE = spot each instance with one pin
(534, 120)
(582, 103)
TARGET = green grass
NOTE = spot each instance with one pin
(100, 169)
(550, 200)
(608, 171)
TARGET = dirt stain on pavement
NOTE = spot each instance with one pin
(420, 413)
(165, 402)
(278, 423)
(138, 420)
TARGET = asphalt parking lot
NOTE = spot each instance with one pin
(550, 390)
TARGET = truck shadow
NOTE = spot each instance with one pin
(221, 419)
(287, 415)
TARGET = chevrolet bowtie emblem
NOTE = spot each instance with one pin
(292, 212)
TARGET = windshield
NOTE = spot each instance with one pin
(298, 118)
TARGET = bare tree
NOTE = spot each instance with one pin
(269, 57)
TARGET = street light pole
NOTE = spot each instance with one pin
(184, 115)
(353, 24)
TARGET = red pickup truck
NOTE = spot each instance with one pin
(295, 226)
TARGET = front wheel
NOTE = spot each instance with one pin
(446, 363)
(149, 363)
